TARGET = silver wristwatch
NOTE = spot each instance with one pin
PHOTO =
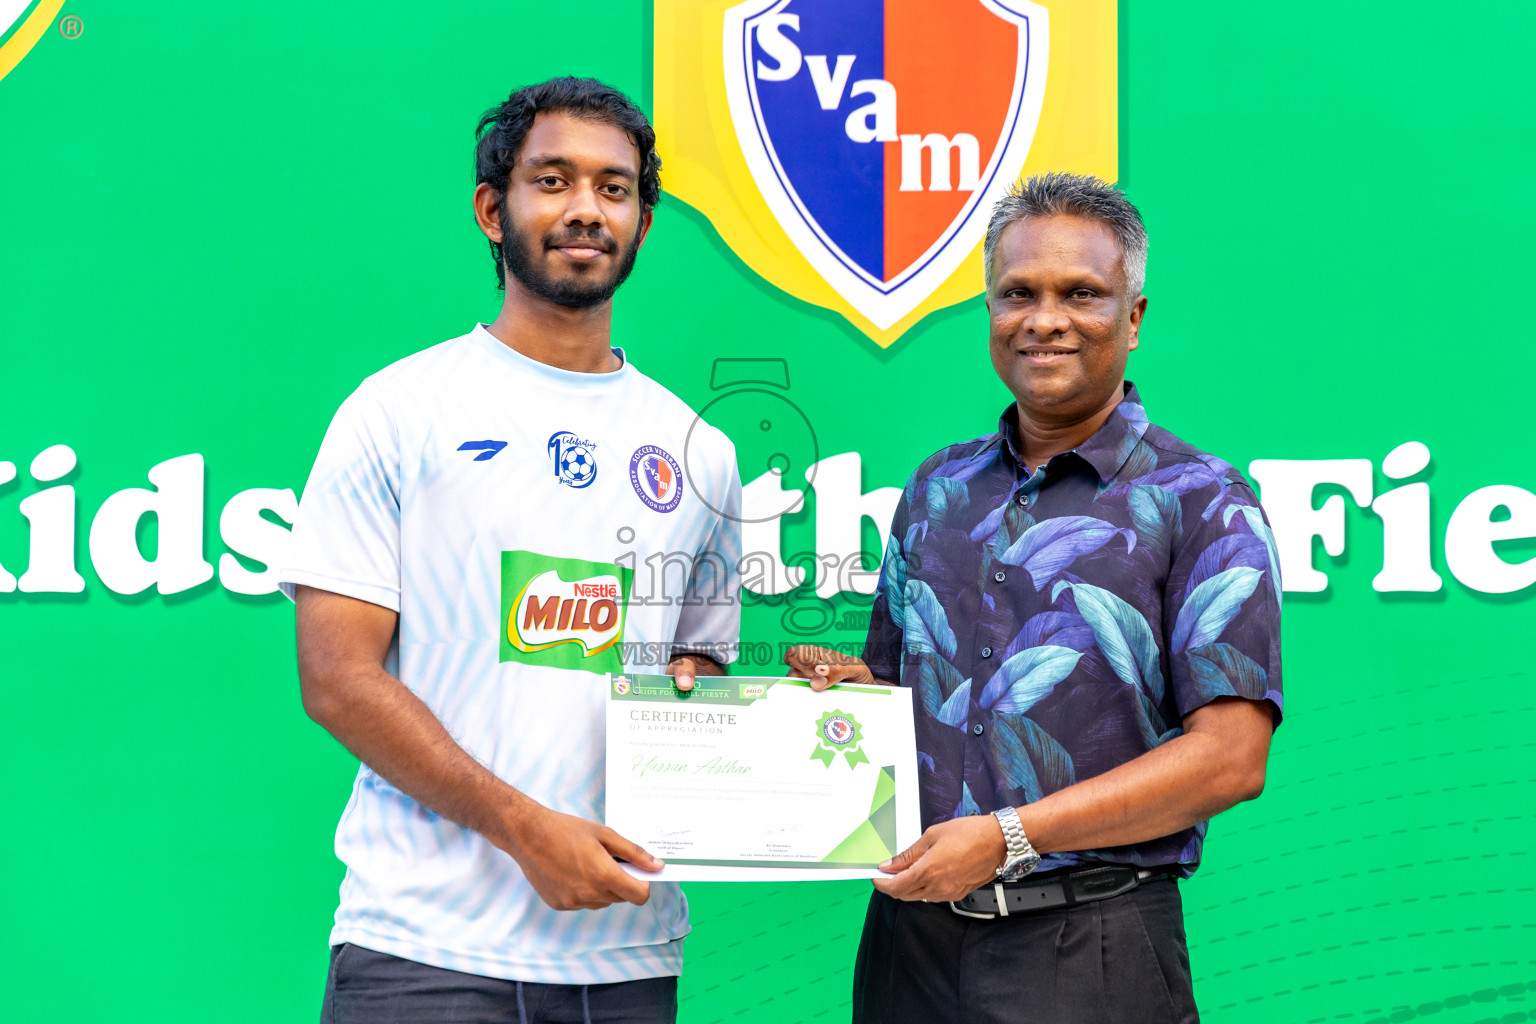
(1021, 857)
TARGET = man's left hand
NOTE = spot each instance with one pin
(685, 668)
(950, 860)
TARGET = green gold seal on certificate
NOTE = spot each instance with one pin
(838, 733)
(718, 781)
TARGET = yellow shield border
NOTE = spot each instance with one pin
(27, 34)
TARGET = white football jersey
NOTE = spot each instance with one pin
(536, 529)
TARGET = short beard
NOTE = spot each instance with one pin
(518, 256)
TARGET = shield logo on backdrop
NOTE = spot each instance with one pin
(880, 133)
(850, 151)
(22, 24)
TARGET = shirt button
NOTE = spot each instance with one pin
(1000, 577)
(986, 652)
(978, 728)
(1024, 501)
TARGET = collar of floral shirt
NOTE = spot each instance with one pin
(1108, 448)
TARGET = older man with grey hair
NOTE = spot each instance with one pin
(1088, 609)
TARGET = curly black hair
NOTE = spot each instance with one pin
(504, 128)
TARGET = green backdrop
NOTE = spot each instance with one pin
(218, 218)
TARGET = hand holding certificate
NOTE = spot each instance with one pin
(762, 779)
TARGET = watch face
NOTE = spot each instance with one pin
(1013, 870)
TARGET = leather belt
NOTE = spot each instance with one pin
(1004, 899)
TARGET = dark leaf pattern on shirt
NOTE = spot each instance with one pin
(1221, 668)
(1025, 679)
(1030, 758)
(1060, 629)
(946, 498)
(1047, 548)
(1122, 633)
(1211, 605)
(1062, 619)
(1253, 519)
(1157, 514)
(927, 624)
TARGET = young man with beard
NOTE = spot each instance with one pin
(460, 606)
(1088, 611)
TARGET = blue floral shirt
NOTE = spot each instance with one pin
(1060, 622)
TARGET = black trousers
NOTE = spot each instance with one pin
(368, 987)
(1116, 961)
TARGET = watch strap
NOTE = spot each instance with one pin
(1021, 857)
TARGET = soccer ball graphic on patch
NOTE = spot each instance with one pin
(575, 463)
(577, 467)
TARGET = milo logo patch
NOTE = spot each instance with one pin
(563, 612)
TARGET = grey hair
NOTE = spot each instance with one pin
(1078, 195)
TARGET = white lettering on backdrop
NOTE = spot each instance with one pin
(253, 525)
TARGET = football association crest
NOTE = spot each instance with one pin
(656, 477)
(851, 150)
(838, 733)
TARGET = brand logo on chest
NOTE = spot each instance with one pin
(574, 458)
(562, 612)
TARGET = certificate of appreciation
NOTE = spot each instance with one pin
(761, 779)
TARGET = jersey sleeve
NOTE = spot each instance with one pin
(709, 622)
(347, 537)
(1221, 607)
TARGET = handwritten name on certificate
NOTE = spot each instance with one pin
(762, 779)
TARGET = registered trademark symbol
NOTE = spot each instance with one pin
(71, 27)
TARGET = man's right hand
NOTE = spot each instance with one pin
(825, 667)
(570, 862)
